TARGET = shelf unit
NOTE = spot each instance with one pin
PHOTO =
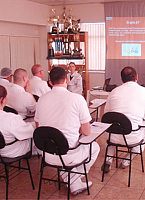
(84, 39)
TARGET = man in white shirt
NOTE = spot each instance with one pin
(69, 113)
(129, 99)
(38, 86)
(13, 127)
(19, 95)
(74, 80)
(6, 77)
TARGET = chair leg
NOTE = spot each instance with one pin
(141, 159)
(116, 157)
(129, 168)
(40, 182)
(7, 181)
(104, 163)
(86, 179)
(58, 173)
(19, 164)
(30, 174)
(68, 194)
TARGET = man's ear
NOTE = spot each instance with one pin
(136, 78)
(50, 83)
(66, 80)
(24, 78)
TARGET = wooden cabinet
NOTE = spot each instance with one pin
(83, 37)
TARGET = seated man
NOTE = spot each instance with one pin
(38, 86)
(74, 80)
(19, 95)
(6, 77)
(13, 127)
(129, 99)
(69, 113)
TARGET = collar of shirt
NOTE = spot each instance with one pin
(58, 88)
(72, 75)
(5, 80)
(19, 87)
(36, 77)
(130, 83)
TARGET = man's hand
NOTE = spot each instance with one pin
(27, 87)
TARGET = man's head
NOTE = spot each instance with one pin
(72, 67)
(21, 77)
(37, 70)
(3, 96)
(6, 73)
(58, 76)
(129, 74)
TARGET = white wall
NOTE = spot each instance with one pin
(23, 11)
(87, 12)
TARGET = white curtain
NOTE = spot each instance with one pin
(4, 52)
(96, 45)
(22, 53)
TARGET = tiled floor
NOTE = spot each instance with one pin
(113, 187)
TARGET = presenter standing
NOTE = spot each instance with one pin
(74, 80)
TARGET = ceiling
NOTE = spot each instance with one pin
(74, 2)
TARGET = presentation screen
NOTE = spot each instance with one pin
(125, 37)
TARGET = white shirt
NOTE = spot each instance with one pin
(22, 101)
(5, 83)
(63, 110)
(75, 84)
(12, 126)
(129, 99)
(38, 86)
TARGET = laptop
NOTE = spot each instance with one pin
(106, 83)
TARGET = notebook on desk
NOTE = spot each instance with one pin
(106, 83)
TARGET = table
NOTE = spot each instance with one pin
(97, 129)
(96, 93)
(96, 104)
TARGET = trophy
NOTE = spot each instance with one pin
(66, 48)
(55, 21)
(77, 50)
(50, 48)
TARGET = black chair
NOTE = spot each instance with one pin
(9, 109)
(36, 97)
(120, 125)
(51, 140)
(8, 162)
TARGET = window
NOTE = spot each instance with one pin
(96, 44)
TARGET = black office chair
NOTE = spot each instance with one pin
(36, 97)
(120, 125)
(51, 140)
(8, 162)
(9, 109)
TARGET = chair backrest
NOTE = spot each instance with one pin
(2, 141)
(120, 123)
(36, 97)
(50, 140)
(9, 109)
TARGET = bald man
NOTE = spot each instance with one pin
(20, 96)
(38, 86)
(129, 99)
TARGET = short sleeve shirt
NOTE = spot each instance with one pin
(63, 110)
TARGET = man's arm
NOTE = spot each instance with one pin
(85, 129)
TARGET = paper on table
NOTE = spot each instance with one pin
(99, 127)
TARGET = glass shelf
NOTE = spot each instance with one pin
(65, 58)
